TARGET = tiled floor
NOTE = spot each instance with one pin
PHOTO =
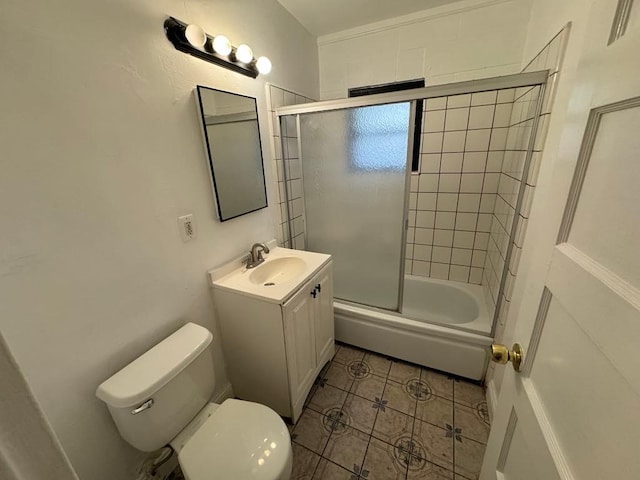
(376, 418)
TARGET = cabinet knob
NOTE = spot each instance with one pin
(319, 288)
(313, 293)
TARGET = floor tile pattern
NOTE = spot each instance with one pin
(377, 418)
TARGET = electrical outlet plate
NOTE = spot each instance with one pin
(187, 227)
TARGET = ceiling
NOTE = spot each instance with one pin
(322, 17)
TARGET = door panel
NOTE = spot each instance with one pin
(300, 343)
(578, 396)
(517, 459)
(526, 447)
(324, 322)
(595, 298)
(585, 397)
(605, 226)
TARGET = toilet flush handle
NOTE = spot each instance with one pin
(142, 407)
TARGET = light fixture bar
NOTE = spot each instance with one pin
(174, 29)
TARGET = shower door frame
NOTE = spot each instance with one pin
(405, 216)
(517, 80)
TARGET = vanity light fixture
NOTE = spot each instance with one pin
(217, 49)
(264, 65)
(222, 45)
(244, 53)
(195, 36)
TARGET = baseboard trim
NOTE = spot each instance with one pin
(226, 392)
(492, 398)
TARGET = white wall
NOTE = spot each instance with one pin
(101, 152)
(25, 430)
(461, 41)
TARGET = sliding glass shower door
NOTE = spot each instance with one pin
(354, 172)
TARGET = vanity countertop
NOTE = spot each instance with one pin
(282, 273)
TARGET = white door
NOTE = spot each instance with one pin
(574, 410)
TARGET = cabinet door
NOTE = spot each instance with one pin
(299, 339)
(324, 324)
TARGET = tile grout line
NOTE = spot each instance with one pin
(332, 431)
(329, 437)
(453, 419)
(406, 471)
(369, 436)
(455, 218)
(435, 215)
(413, 424)
(386, 378)
(366, 450)
(484, 175)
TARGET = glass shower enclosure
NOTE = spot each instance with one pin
(354, 180)
(347, 177)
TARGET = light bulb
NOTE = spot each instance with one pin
(221, 45)
(264, 65)
(244, 53)
(195, 35)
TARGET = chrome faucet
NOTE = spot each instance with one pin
(255, 255)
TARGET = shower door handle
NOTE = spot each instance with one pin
(502, 355)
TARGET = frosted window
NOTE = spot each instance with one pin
(380, 140)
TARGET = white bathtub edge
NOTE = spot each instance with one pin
(460, 353)
(411, 325)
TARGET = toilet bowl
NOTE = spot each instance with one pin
(238, 440)
(162, 398)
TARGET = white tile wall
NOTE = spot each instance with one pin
(549, 58)
(453, 197)
(520, 123)
(285, 154)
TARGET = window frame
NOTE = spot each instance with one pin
(398, 87)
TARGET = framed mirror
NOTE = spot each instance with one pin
(234, 152)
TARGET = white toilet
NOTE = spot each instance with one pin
(162, 398)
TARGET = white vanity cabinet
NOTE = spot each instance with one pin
(308, 335)
(275, 346)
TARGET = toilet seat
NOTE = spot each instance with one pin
(240, 440)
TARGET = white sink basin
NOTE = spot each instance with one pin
(277, 271)
(282, 273)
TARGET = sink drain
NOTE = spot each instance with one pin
(269, 284)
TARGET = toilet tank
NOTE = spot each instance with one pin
(160, 392)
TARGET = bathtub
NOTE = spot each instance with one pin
(444, 325)
(459, 305)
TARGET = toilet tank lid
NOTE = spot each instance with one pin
(151, 371)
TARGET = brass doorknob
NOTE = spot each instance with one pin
(501, 354)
